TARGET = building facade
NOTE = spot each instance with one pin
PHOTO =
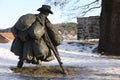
(88, 27)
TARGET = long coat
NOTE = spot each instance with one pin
(30, 42)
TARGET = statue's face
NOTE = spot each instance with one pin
(46, 13)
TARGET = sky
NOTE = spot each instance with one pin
(11, 10)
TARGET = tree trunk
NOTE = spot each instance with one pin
(110, 27)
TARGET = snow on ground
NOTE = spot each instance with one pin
(93, 66)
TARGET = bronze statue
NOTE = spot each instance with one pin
(34, 36)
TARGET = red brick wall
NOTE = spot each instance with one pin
(6, 37)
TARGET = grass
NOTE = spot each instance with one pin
(45, 71)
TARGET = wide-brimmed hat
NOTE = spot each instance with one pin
(45, 8)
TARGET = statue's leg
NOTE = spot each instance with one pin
(20, 62)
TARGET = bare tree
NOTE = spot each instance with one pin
(75, 8)
(109, 42)
(110, 27)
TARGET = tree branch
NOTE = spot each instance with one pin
(85, 6)
(91, 3)
(84, 12)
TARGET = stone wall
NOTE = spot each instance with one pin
(88, 27)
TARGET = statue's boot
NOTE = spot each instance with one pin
(20, 64)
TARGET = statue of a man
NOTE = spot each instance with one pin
(30, 43)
